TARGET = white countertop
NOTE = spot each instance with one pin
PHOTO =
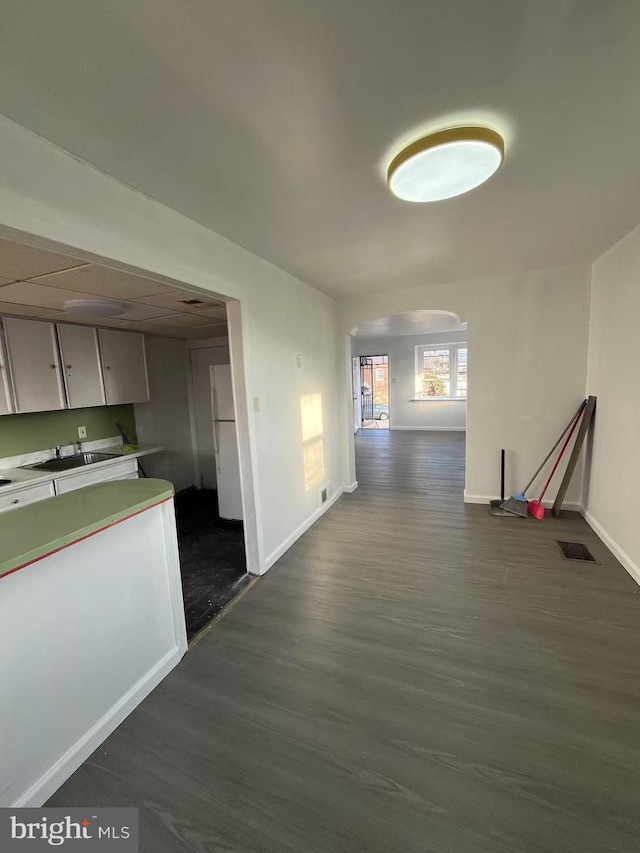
(21, 477)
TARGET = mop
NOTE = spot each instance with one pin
(517, 504)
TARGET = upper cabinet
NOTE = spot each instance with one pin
(81, 365)
(124, 366)
(34, 365)
(6, 403)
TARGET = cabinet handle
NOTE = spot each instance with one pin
(15, 501)
(68, 366)
(106, 367)
(52, 366)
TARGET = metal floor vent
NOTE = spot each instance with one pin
(576, 551)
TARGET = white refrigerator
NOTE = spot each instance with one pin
(225, 442)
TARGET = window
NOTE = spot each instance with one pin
(441, 372)
(379, 374)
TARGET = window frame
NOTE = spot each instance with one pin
(453, 370)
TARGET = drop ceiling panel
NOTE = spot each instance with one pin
(176, 301)
(90, 320)
(177, 321)
(18, 261)
(102, 281)
(9, 309)
(215, 313)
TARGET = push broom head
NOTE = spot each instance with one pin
(516, 505)
(536, 509)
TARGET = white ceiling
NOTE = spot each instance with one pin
(270, 121)
(411, 323)
(37, 283)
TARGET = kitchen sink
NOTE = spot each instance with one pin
(78, 460)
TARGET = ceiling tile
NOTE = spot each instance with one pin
(18, 261)
(103, 281)
(9, 308)
(29, 293)
(176, 301)
(216, 313)
(89, 320)
(177, 321)
(216, 331)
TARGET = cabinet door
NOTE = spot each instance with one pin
(81, 365)
(6, 403)
(124, 366)
(34, 365)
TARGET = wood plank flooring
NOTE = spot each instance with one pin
(413, 675)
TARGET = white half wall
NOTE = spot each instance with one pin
(404, 412)
(65, 204)
(613, 465)
(164, 420)
(527, 338)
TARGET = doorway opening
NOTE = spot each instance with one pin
(374, 391)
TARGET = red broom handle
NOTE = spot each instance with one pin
(564, 447)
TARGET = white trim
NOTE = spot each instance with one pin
(53, 778)
(437, 400)
(275, 555)
(430, 429)
(350, 488)
(632, 568)
(572, 506)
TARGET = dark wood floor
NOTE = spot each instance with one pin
(413, 675)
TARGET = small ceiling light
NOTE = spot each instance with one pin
(445, 164)
(96, 307)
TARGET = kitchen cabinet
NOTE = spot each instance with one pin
(81, 365)
(6, 403)
(27, 495)
(124, 366)
(34, 365)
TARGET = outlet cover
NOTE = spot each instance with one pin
(82, 432)
(256, 404)
(298, 360)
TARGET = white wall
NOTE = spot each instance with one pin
(67, 204)
(527, 365)
(404, 412)
(164, 420)
(613, 378)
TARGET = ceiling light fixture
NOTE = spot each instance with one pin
(96, 307)
(445, 164)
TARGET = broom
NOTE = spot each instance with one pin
(536, 508)
(517, 504)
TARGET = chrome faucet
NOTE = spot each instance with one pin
(78, 445)
(58, 451)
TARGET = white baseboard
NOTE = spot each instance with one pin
(351, 487)
(429, 429)
(612, 545)
(572, 506)
(275, 555)
(50, 781)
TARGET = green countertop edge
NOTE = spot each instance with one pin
(42, 528)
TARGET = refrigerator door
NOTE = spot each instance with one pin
(222, 393)
(229, 492)
(225, 443)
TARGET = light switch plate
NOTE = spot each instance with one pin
(82, 432)
(256, 404)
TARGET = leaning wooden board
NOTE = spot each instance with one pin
(575, 455)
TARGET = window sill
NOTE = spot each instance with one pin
(438, 399)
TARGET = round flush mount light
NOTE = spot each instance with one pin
(445, 164)
(95, 307)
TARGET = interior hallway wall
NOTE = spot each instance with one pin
(527, 337)
(613, 470)
(48, 193)
(404, 411)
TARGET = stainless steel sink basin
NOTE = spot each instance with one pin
(78, 460)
